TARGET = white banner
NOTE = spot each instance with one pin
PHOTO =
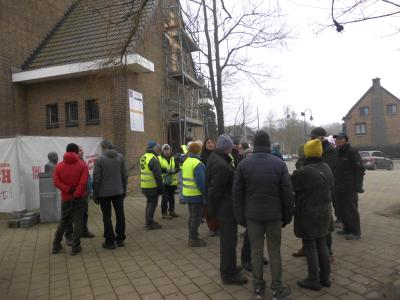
(26, 157)
(136, 111)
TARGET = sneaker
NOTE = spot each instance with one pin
(68, 242)
(247, 266)
(259, 293)
(326, 283)
(108, 246)
(120, 243)
(197, 243)
(280, 294)
(56, 249)
(153, 226)
(76, 250)
(166, 216)
(237, 279)
(299, 253)
(342, 232)
(307, 284)
(173, 214)
(353, 237)
(88, 235)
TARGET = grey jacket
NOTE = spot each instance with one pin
(110, 175)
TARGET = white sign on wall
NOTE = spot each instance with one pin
(136, 111)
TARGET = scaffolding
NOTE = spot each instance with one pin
(180, 107)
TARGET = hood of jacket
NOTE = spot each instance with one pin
(70, 157)
(110, 153)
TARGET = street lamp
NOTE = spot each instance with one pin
(303, 114)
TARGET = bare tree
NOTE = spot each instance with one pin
(230, 30)
(346, 12)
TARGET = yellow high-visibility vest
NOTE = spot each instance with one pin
(184, 149)
(147, 180)
(169, 166)
(232, 160)
(189, 185)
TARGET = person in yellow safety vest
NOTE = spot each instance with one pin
(169, 169)
(151, 182)
(193, 188)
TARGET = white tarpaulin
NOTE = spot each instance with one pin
(136, 111)
(23, 158)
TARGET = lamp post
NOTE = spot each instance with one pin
(303, 114)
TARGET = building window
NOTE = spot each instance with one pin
(361, 128)
(364, 111)
(391, 109)
(71, 114)
(52, 115)
(92, 111)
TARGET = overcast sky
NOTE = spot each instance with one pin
(328, 72)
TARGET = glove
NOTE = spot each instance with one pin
(72, 190)
(359, 188)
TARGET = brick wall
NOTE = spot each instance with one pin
(23, 24)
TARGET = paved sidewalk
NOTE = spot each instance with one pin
(159, 265)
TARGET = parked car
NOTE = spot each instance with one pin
(373, 160)
(287, 157)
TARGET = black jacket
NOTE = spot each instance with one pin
(329, 155)
(262, 190)
(219, 179)
(313, 184)
(349, 171)
(205, 154)
(154, 166)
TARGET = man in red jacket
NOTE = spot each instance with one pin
(70, 177)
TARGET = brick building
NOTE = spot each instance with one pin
(65, 73)
(374, 121)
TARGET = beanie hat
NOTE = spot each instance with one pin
(72, 147)
(106, 144)
(313, 148)
(151, 144)
(317, 131)
(224, 142)
(261, 138)
(195, 147)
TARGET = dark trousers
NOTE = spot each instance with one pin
(211, 222)
(336, 209)
(348, 203)
(246, 248)
(319, 267)
(151, 206)
(329, 243)
(70, 229)
(195, 213)
(228, 241)
(71, 212)
(168, 199)
(273, 233)
(117, 202)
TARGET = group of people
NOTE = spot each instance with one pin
(228, 184)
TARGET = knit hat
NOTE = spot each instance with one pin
(151, 144)
(261, 138)
(72, 147)
(224, 142)
(313, 148)
(195, 147)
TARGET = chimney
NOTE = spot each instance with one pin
(376, 82)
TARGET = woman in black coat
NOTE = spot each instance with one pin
(313, 184)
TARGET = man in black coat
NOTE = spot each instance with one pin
(348, 183)
(219, 179)
(263, 201)
(313, 184)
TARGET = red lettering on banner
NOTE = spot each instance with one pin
(5, 175)
(3, 195)
(90, 160)
(35, 172)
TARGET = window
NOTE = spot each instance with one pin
(361, 128)
(51, 115)
(364, 111)
(71, 114)
(391, 109)
(92, 111)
